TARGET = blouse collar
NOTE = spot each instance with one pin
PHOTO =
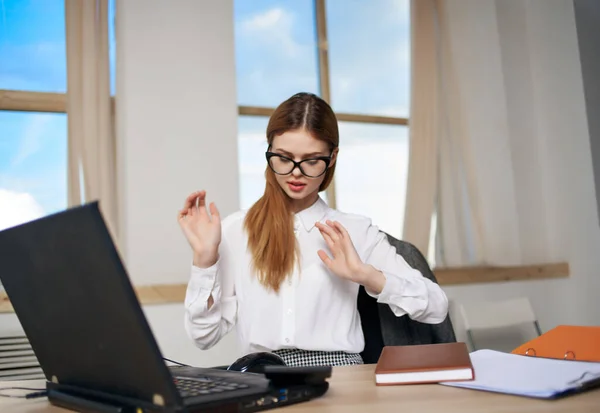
(314, 213)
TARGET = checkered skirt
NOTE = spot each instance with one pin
(296, 357)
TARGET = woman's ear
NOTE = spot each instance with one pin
(334, 155)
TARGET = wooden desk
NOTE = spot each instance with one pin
(352, 390)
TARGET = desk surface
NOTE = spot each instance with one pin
(353, 390)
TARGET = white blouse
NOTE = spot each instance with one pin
(314, 309)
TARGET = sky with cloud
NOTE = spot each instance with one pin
(33, 147)
(275, 57)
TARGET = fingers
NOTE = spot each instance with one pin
(328, 230)
(328, 240)
(332, 225)
(201, 201)
(340, 229)
(195, 204)
(191, 199)
(325, 258)
(201, 205)
(214, 212)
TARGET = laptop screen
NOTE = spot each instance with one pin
(76, 304)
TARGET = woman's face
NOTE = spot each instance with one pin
(300, 145)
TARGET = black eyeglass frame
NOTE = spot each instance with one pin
(298, 165)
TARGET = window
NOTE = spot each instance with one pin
(33, 124)
(371, 173)
(369, 53)
(112, 46)
(33, 158)
(275, 50)
(252, 164)
(361, 69)
(32, 46)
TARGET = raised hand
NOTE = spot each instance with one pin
(345, 262)
(203, 231)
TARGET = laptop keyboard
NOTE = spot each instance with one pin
(191, 387)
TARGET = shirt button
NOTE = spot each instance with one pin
(289, 311)
(287, 340)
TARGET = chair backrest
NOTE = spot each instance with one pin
(500, 315)
(368, 309)
(496, 314)
(381, 326)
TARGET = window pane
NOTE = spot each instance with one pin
(369, 52)
(371, 173)
(275, 49)
(32, 46)
(252, 144)
(112, 46)
(33, 166)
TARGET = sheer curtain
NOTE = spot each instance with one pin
(481, 78)
(92, 164)
(424, 125)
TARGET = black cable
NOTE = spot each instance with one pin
(35, 392)
(176, 362)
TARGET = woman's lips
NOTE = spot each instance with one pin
(296, 186)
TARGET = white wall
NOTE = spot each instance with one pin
(177, 132)
(560, 139)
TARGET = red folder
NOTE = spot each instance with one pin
(580, 343)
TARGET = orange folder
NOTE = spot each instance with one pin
(581, 343)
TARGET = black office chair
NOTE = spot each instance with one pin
(380, 325)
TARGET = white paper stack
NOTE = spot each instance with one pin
(529, 376)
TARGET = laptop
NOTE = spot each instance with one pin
(75, 302)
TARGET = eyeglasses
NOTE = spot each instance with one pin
(312, 167)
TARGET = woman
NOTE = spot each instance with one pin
(288, 270)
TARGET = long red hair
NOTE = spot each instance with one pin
(269, 222)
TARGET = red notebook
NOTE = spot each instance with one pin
(425, 363)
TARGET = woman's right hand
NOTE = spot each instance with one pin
(203, 231)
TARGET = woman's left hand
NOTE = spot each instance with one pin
(345, 262)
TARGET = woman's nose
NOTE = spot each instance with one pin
(296, 171)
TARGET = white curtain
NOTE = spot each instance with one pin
(92, 164)
(478, 121)
(424, 125)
